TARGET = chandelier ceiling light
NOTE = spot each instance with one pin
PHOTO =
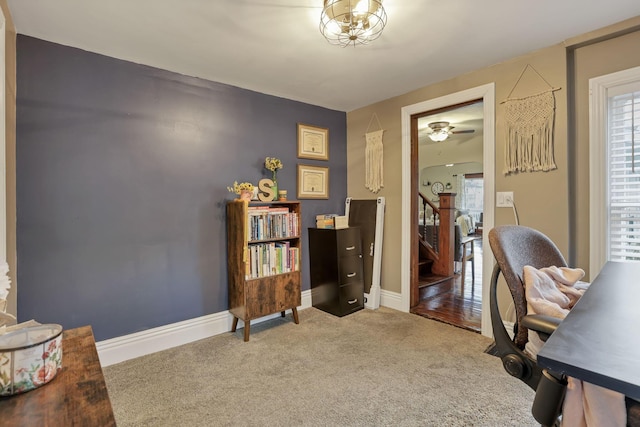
(352, 22)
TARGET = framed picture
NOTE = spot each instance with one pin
(313, 142)
(313, 182)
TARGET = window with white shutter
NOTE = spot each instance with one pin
(614, 168)
(624, 174)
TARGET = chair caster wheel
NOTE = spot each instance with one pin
(515, 366)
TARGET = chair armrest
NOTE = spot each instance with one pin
(543, 325)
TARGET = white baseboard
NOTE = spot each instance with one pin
(119, 349)
(391, 299)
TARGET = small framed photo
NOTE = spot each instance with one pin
(313, 142)
(313, 182)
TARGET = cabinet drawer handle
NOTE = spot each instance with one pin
(351, 275)
(353, 301)
(350, 248)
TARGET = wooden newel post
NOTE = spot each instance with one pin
(446, 240)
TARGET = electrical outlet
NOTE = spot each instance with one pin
(504, 199)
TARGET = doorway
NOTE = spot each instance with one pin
(449, 150)
(410, 186)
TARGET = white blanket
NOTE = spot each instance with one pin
(466, 224)
(554, 291)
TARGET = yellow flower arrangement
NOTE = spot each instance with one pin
(273, 164)
(238, 188)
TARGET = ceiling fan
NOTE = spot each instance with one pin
(440, 131)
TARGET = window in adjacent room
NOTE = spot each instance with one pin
(474, 194)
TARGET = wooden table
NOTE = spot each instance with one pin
(599, 340)
(77, 396)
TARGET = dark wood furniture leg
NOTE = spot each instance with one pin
(282, 314)
(295, 315)
(247, 329)
(235, 324)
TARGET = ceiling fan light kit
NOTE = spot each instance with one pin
(439, 136)
(440, 131)
(352, 22)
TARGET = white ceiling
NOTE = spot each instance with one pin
(275, 47)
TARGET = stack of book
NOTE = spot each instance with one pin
(326, 221)
(268, 259)
(265, 222)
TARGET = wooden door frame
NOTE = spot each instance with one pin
(409, 185)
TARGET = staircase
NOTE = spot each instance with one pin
(435, 249)
(424, 261)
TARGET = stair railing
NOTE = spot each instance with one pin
(427, 235)
(431, 231)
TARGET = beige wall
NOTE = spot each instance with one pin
(541, 198)
(10, 151)
(591, 60)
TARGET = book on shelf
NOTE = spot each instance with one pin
(278, 210)
(271, 245)
(272, 223)
(268, 259)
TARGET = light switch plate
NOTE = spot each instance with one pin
(504, 199)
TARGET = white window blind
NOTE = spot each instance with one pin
(623, 163)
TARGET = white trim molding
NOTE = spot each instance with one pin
(487, 94)
(120, 349)
(5, 281)
(599, 88)
(391, 300)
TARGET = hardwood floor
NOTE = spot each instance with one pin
(454, 301)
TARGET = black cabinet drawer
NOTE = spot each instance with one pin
(351, 297)
(335, 267)
(350, 269)
(348, 242)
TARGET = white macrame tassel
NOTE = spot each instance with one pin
(373, 161)
(529, 145)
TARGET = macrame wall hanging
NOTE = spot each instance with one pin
(373, 158)
(530, 122)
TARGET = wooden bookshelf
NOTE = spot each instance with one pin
(263, 260)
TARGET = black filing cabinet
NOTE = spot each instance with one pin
(335, 260)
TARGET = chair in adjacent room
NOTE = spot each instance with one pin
(514, 247)
(465, 252)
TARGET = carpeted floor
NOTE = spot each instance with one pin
(371, 368)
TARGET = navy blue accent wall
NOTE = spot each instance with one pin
(122, 175)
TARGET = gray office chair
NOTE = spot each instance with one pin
(514, 247)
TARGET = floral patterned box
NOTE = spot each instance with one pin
(29, 358)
